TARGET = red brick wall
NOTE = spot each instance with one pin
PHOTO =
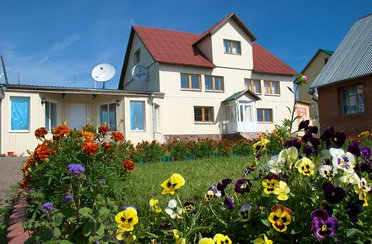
(330, 113)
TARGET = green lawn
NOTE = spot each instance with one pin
(144, 182)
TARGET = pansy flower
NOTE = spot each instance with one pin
(350, 177)
(342, 160)
(173, 210)
(265, 240)
(353, 210)
(127, 219)
(178, 238)
(365, 153)
(209, 195)
(229, 202)
(260, 146)
(270, 183)
(206, 240)
(326, 171)
(280, 217)
(289, 155)
(242, 185)
(154, 204)
(304, 124)
(276, 164)
(322, 225)
(222, 186)
(222, 239)
(354, 148)
(333, 194)
(127, 237)
(189, 207)
(282, 191)
(245, 211)
(305, 166)
(170, 185)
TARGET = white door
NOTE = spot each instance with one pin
(246, 117)
(78, 115)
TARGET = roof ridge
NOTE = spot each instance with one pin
(162, 29)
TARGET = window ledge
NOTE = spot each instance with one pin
(19, 131)
(203, 123)
(190, 89)
(215, 91)
(264, 122)
(137, 130)
(272, 95)
(238, 54)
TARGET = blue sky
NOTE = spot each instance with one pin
(59, 42)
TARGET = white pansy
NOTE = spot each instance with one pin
(289, 155)
(276, 164)
(172, 210)
(342, 160)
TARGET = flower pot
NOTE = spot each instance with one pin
(10, 153)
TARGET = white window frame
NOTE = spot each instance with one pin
(108, 114)
(49, 113)
(144, 116)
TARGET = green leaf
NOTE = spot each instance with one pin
(87, 228)
(100, 229)
(65, 242)
(58, 219)
(103, 212)
(265, 222)
(86, 212)
(290, 89)
(294, 232)
(57, 232)
(352, 232)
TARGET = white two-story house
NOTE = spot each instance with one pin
(214, 84)
(173, 85)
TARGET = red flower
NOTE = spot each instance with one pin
(42, 152)
(118, 136)
(90, 147)
(40, 132)
(128, 164)
(103, 129)
(60, 131)
(106, 146)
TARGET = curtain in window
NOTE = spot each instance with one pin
(112, 116)
(20, 113)
(137, 116)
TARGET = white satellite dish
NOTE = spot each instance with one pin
(103, 72)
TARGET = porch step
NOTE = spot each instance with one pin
(240, 136)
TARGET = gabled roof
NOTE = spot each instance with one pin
(222, 22)
(315, 56)
(238, 94)
(175, 47)
(352, 58)
(268, 63)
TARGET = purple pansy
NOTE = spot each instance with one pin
(293, 143)
(322, 225)
(222, 186)
(333, 194)
(242, 185)
(46, 207)
(304, 124)
(229, 202)
(75, 169)
(67, 198)
(365, 152)
(354, 148)
(354, 209)
(312, 129)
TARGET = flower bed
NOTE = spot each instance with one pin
(313, 189)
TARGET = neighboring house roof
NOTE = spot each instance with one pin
(352, 58)
(315, 56)
(175, 47)
(241, 93)
(222, 22)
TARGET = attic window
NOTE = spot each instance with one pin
(232, 47)
(325, 60)
(137, 56)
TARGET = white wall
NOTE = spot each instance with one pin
(152, 84)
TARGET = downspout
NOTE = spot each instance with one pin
(152, 97)
(2, 96)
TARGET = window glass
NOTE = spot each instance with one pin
(112, 116)
(195, 82)
(184, 81)
(20, 113)
(203, 114)
(218, 83)
(264, 115)
(47, 126)
(259, 115)
(226, 44)
(104, 114)
(208, 83)
(50, 115)
(137, 111)
(267, 115)
(352, 100)
(235, 47)
(198, 114)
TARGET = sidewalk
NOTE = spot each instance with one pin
(10, 176)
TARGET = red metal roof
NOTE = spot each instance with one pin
(266, 62)
(174, 47)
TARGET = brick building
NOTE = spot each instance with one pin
(344, 85)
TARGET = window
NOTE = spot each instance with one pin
(214, 83)
(325, 60)
(203, 114)
(50, 115)
(253, 85)
(137, 115)
(19, 113)
(352, 99)
(232, 47)
(190, 81)
(264, 115)
(108, 115)
(137, 56)
(272, 87)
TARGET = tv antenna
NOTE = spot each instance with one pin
(4, 70)
(103, 73)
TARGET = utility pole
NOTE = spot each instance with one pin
(4, 70)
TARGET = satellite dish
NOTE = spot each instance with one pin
(103, 72)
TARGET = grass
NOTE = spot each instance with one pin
(144, 182)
